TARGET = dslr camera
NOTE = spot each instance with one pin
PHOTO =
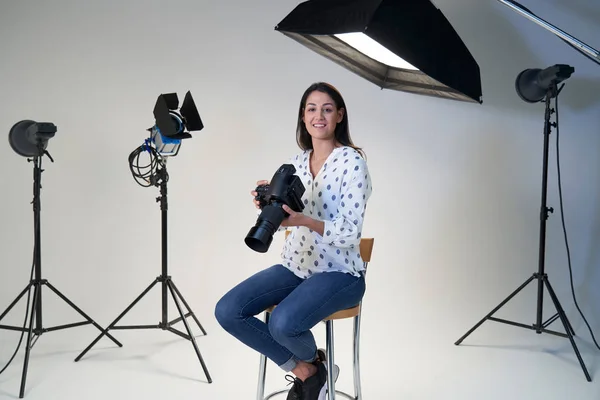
(285, 188)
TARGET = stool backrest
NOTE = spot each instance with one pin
(366, 248)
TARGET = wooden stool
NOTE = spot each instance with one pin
(366, 248)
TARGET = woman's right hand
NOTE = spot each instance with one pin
(254, 193)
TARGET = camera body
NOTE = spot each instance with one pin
(285, 188)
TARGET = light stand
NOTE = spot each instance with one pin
(37, 282)
(167, 284)
(541, 276)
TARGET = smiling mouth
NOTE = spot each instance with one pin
(319, 125)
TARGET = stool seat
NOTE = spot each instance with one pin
(342, 314)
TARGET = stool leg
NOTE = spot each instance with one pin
(357, 386)
(262, 370)
(330, 361)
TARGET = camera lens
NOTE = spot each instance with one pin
(261, 235)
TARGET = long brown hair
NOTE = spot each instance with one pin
(342, 130)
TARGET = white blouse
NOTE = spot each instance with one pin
(338, 196)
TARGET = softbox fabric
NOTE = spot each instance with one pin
(415, 30)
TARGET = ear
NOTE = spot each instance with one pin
(341, 112)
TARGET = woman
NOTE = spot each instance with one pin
(321, 271)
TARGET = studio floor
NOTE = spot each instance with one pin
(496, 363)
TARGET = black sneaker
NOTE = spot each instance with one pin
(295, 392)
(311, 387)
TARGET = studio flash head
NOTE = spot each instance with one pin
(533, 84)
(30, 138)
(173, 125)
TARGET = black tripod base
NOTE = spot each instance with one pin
(167, 285)
(35, 318)
(538, 327)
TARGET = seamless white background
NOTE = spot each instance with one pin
(454, 213)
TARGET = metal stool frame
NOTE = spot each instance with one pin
(366, 248)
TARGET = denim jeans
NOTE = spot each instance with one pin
(301, 304)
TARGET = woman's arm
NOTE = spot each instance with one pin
(299, 219)
(344, 230)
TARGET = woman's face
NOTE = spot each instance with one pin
(321, 116)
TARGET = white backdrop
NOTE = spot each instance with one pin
(455, 209)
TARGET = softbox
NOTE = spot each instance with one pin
(438, 62)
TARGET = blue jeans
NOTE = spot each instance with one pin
(301, 304)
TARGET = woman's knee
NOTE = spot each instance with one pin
(225, 312)
(282, 324)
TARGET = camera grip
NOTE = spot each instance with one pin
(261, 191)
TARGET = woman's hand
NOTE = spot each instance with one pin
(299, 219)
(254, 193)
(295, 218)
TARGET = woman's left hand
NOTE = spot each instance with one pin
(294, 219)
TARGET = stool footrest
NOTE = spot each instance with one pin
(270, 396)
(283, 391)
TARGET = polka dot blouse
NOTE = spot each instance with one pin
(337, 196)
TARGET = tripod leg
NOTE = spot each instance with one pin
(104, 332)
(15, 301)
(36, 293)
(189, 331)
(569, 326)
(553, 319)
(566, 325)
(69, 302)
(188, 307)
(513, 294)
